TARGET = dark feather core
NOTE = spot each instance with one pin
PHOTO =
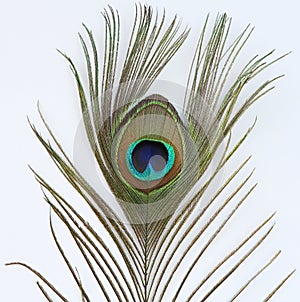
(150, 159)
(151, 153)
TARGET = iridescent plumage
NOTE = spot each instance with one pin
(158, 158)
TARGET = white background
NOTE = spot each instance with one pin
(31, 70)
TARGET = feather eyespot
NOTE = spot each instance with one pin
(150, 148)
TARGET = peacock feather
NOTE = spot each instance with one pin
(161, 149)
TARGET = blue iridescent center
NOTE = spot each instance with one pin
(150, 159)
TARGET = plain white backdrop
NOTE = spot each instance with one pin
(31, 70)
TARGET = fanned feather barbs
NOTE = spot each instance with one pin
(159, 157)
